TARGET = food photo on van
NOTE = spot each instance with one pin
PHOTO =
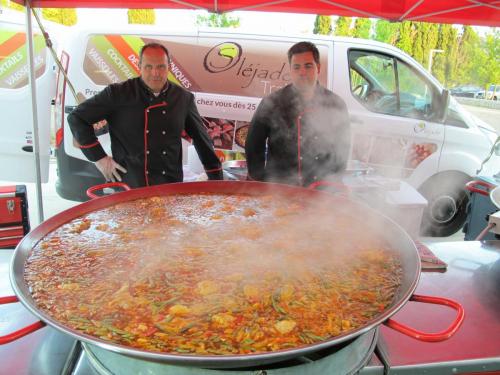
(405, 125)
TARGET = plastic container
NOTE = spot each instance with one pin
(391, 197)
(406, 207)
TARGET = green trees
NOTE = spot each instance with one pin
(66, 17)
(429, 40)
(489, 67)
(323, 25)
(11, 5)
(425, 40)
(467, 58)
(405, 37)
(386, 31)
(362, 28)
(217, 20)
(141, 16)
(444, 64)
(343, 26)
(478, 58)
(468, 46)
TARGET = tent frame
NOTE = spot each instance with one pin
(34, 108)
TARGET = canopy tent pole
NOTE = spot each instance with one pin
(34, 111)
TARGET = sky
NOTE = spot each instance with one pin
(263, 22)
(181, 19)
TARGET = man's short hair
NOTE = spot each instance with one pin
(302, 47)
(153, 46)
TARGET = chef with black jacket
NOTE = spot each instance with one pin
(299, 134)
(147, 116)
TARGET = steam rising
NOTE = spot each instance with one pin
(326, 144)
(222, 237)
(308, 138)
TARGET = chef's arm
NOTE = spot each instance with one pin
(81, 121)
(202, 143)
(255, 144)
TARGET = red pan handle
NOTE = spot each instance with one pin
(23, 331)
(472, 186)
(343, 189)
(90, 190)
(431, 337)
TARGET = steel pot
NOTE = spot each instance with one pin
(396, 237)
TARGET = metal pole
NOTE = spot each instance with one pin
(34, 112)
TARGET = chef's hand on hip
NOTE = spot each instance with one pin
(109, 169)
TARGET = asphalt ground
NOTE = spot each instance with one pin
(488, 115)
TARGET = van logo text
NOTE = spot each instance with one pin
(222, 57)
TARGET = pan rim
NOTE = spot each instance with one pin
(24, 248)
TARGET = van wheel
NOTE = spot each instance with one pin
(447, 199)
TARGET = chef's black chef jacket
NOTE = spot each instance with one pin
(145, 131)
(297, 142)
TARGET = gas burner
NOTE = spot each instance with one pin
(347, 358)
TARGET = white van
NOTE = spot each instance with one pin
(397, 109)
(17, 161)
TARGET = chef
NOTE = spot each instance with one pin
(147, 116)
(300, 133)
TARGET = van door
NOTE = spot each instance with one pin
(394, 110)
(17, 160)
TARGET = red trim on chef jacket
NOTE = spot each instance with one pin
(213, 170)
(146, 111)
(90, 145)
(186, 136)
(299, 125)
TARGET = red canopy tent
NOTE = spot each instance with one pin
(471, 12)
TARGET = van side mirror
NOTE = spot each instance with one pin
(444, 102)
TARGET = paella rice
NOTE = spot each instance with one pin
(213, 274)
